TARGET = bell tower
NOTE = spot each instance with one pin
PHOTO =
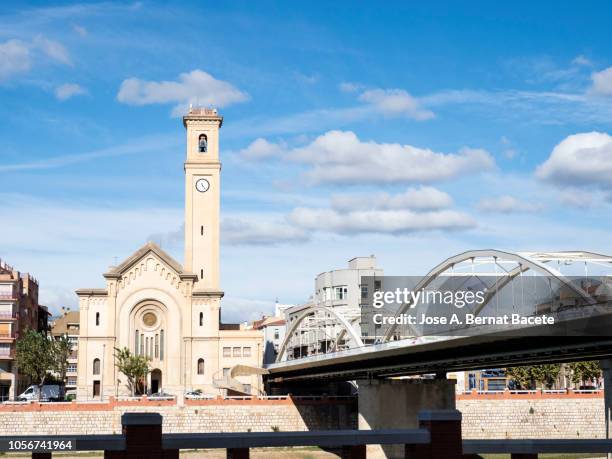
(202, 196)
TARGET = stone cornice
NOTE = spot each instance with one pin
(202, 164)
(202, 293)
(202, 120)
(91, 292)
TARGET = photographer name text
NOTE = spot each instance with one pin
(468, 319)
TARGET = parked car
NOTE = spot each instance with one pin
(161, 395)
(48, 393)
(191, 394)
(197, 394)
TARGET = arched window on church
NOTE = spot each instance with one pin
(203, 143)
(97, 318)
(96, 366)
(200, 366)
(201, 319)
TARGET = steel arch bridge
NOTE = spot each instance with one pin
(321, 330)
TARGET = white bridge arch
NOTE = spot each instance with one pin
(345, 328)
(537, 262)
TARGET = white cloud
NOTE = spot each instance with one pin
(340, 157)
(307, 79)
(68, 90)
(48, 239)
(53, 49)
(80, 30)
(17, 56)
(422, 198)
(347, 86)
(582, 61)
(602, 82)
(14, 58)
(260, 148)
(580, 159)
(238, 309)
(379, 221)
(509, 151)
(260, 229)
(396, 102)
(507, 205)
(172, 239)
(539, 107)
(136, 146)
(579, 198)
(196, 87)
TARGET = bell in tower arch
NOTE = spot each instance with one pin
(203, 143)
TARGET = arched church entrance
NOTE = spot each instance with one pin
(156, 381)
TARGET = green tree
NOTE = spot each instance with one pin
(63, 348)
(584, 372)
(521, 375)
(134, 367)
(36, 356)
(546, 375)
(528, 377)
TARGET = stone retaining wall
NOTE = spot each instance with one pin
(484, 416)
(195, 416)
(523, 417)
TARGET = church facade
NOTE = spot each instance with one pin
(170, 312)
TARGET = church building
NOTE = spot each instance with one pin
(170, 312)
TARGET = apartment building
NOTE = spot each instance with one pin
(19, 311)
(67, 324)
(341, 291)
(273, 329)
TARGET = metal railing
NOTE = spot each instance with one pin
(537, 446)
(531, 391)
(145, 398)
(322, 438)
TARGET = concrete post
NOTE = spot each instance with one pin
(143, 438)
(237, 453)
(445, 429)
(353, 452)
(606, 368)
(396, 403)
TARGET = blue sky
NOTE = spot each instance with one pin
(407, 131)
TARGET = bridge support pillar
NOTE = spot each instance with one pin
(395, 404)
(606, 368)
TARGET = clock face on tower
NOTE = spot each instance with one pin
(202, 185)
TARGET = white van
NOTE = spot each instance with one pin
(49, 393)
